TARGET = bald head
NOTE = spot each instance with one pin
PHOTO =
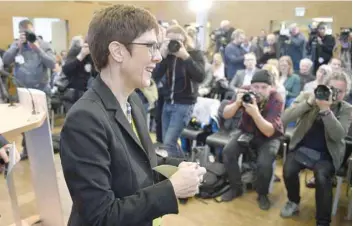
(225, 24)
(293, 29)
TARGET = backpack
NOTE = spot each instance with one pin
(214, 181)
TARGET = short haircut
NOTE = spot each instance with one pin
(180, 30)
(306, 61)
(237, 33)
(25, 23)
(121, 23)
(341, 76)
(250, 54)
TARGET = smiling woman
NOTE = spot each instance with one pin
(106, 151)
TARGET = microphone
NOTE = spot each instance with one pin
(15, 80)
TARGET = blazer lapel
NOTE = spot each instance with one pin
(141, 126)
(111, 103)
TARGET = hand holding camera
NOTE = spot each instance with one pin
(325, 96)
(250, 104)
(175, 48)
(84, 52)
(178, 49)
(22, 40)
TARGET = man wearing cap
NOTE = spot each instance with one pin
(259, 131)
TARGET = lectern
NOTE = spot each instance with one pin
(29, 116)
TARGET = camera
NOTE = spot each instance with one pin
(245, 139)
(247, 97)
(344, 35)
(30, 36)
(174, 46)
(323, 92)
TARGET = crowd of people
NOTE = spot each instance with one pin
(95, 80)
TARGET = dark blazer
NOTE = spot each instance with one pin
(107, 170)
(238, 79)
(184, 82)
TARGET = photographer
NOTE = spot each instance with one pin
(296, 46)
(34, 59)
(184, 68)
(78, 69)
(320, 46)
(223, 35)
(317, 143)
(260, 129)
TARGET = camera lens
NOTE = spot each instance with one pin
(173, 46)
(247, 98)
(322, 92)
(31, 37)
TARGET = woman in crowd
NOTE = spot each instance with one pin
(269, 49)
(289, 80)
(279, 87)
(218, 67)
(322, 74)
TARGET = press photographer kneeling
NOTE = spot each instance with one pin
(317, 143)
(260, 129)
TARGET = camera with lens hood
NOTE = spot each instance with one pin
(30, 36)
(174, 46)
(323, 92)
(247, 97)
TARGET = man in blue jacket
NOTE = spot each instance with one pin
(234, 54)
(33, 62)
(296, 46)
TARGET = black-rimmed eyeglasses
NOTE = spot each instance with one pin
(152, 47)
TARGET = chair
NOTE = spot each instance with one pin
(340, 174)
(203, 111)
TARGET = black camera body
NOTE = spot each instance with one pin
(323, 92)
(344, 35)
(30, 36)
(247, 97)
(174, 46)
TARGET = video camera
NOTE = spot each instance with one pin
(323, 92)
(220, 36)
(30, 36)
(344, 35)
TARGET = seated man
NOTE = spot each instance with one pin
(317, 143)
(261, 126)
(243, 77)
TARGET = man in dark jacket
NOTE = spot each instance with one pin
(79, 70)
(322, 51)
(234, 54)
(184, 71)
(296, 46)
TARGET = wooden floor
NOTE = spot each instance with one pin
(240, 212)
